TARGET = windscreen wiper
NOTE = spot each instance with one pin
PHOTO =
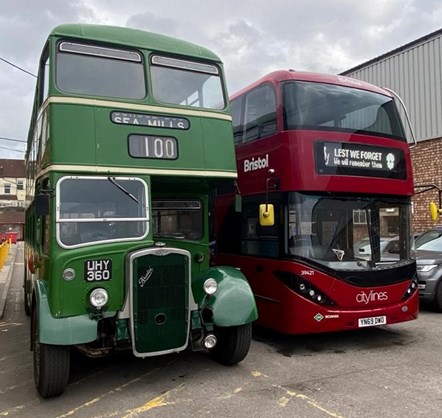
(114, 182)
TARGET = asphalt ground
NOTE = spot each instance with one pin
(390, 371)
(6, 274)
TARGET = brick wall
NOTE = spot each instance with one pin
(426, 158)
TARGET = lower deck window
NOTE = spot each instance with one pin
(256, 239)
(92, 209)
(179, 219)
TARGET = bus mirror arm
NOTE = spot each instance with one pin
(435, 209)
(266, 211)
(238, 198)
(271, 182)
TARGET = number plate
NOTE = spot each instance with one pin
(372, 322)
(96, 270)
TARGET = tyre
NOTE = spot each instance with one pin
(233, 344)
(27, 308)
(51, 364)
(437, 302)
(25, 292)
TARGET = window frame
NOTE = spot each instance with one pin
(190, 66)
(248, 125)
(257, 240)
(110, 57)
(178, 235)
(59, 220)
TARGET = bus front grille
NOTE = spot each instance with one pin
(160, 301)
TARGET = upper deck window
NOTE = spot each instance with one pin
(99, 71)
(187, 83)
(311, 105)
(254, 114)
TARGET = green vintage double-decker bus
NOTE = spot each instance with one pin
(130, 139)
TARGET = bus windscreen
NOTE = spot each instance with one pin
(321, 106)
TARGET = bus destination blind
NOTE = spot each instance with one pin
(353, 159)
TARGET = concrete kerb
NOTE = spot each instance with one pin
(5, 277)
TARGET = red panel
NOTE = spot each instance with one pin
(283, 310)
(291, 155)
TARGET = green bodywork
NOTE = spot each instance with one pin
(232, 303)
(74, 135)
(63, 331)
(132, 37)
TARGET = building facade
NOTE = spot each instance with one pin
(414, 72)
(12, 197)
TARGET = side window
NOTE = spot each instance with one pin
(236, 107)
(45, 80)
(43, 226)
(178, 219)
(259, 240)
(45, 234)
(260, 113)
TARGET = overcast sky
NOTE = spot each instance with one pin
(252, 37)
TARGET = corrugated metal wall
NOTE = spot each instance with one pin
(415, 73)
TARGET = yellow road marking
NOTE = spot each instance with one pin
(154, 403)
(9, 324)
(99, 398)
(256, 373)
(284, 401)
(15, 409)
(229, 395)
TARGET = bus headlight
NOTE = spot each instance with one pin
(304, 288)
(69, 274)
(414, 285)
(98, 298)
(210, 286)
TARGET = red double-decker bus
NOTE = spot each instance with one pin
(322, 227)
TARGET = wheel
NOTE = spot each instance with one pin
(437, 302)
(233, 344)
(26, 303)
(27, 308)
(51, 364)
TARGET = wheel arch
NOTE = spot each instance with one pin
(233, 303)
(60, 331)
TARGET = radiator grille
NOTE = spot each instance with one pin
(160, 286)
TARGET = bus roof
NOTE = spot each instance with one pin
(133, 37)
(288, 75)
